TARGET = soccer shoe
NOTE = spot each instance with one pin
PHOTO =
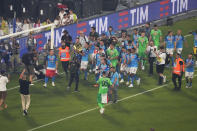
(25, 112)
(68, 88)
(31, 84)
(122, 80)
(186, 86)
(90, 71)
(131, 85)
(164, 79)
(143, 67)
(127, 83)
(53, 84)
(138, 81)
(45, 85)
(102, 110)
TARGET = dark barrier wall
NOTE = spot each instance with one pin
(120, 20)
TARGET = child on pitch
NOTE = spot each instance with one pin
(115, 83)
(189, 72)
(123, 64)
(142, 43)
(132, 65)
(102, 98)
(84, 60)
(3, 90)
(51, 67)
(24, 91)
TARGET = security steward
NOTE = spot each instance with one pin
(177, 71)
(64, 54)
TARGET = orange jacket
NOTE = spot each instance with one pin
(177, 67)
(64, 54)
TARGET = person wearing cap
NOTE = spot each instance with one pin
(66, 38)
(177, 71)
(3, 91)
(24, 91)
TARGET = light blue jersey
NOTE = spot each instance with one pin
(92, 48)
(170, 41)
(179, 41)
(123, 57)
(133, 58)
(86, 54)
(51, 61)
(190, 68)
(98, 59)
(195, 39)
(113, 77)
(135, 38)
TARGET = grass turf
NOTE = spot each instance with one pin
(162, 109)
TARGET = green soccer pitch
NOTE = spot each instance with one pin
(139, 109)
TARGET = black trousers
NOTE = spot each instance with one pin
(65, 67)
(151, 61)
(72, 77)
(174, 78)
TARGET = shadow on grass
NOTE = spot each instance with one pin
(112, 120)
(31, 121)
(7, 115)
(120, 108)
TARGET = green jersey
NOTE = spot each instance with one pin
(143, 42)
(113, 53)
(156, 36)
(104, 84)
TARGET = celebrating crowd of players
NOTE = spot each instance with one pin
(116, 59)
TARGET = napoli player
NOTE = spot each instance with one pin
(123, 64)
(189, 72)
(179, 42)
(84, 60)
(51, 67)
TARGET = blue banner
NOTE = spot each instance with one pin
(119, 20)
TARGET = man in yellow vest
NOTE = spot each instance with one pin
(64, 54)
(177, 71)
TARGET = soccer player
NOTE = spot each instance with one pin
(113, 89)
(51, 67)
(104, 66)
(104, 83)
(98, 62)
(113, 55)
(143, 43)
(170, 47)
(135, 36)
(156, 35)
(123, 64)
(160, 64)
(3, 90)
(24, 91)
(179, 42)
(189, 72)
(194, 33)
(132, 65)
(84, 60)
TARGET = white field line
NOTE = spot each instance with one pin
(92, 109)
(60, 74)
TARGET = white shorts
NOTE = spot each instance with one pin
(132, 70)
(189, 74)
(122, 67)
(169, 51)
(97, 70)
(84, 65)
(179, 50)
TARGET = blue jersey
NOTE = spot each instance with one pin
(195, 39)
(103, 47)
(170, 41)
(123, 57)
(113, 77)
(98, 59)
(92, 48)
(190, 68)
(109, 34)
(135, 38)
(104, 68)
(85, 56)
(51, 61)
(133, 58)
(179, 41)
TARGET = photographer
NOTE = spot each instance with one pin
(15, 49)
(74, 73)
(150, 50)
(31, 43)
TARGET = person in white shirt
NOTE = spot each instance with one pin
(18, 25)
(82, 38)
(61, 14)
(160, 64)
(57, 21)
(25, 26)
(3, 90)
(151, 55)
